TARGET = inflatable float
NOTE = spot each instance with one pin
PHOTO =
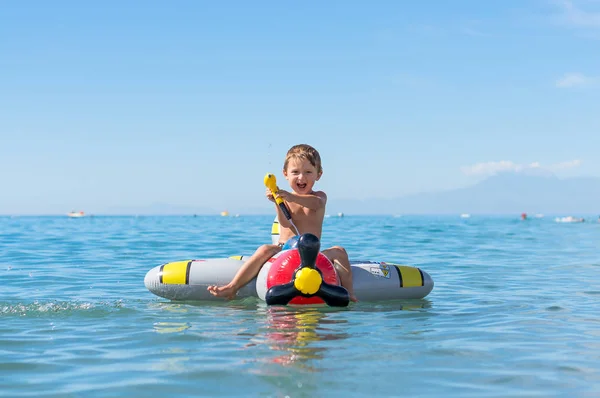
(372, 280)
(297, 275)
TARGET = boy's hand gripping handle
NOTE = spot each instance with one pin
(271, 183)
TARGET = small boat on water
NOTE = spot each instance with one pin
(76, 214)
(569, 219)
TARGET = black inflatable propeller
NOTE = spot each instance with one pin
(308, 279)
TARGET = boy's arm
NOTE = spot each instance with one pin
(281, 218)
(314, 201)
(283, 221)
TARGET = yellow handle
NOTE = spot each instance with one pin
(271, 183)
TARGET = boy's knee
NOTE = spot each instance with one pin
(339, 250)
(268, 250)
(264, 249)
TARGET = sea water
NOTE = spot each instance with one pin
(514, 312)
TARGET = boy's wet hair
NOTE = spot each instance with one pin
(304, 152)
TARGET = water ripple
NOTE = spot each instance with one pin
(513, 312)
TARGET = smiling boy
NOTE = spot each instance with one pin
(302, 169)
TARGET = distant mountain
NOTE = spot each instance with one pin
(161, 208)
(506, 193)
(503, 193)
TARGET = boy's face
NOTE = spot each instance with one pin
(301, 175)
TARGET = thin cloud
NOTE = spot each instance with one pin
(426, 29)
(574, 14)
(467, 30)
(475, 28)
(492, 168)
(410, 80)
(570, 164)
(489, 168)
(570, 80)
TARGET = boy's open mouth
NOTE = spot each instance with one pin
(301, 185)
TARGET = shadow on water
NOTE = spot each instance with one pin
(298, 335)
(294, 333)
(255, 304)
(305, 340)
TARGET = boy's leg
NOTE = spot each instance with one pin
(338, 256)
(246, 272)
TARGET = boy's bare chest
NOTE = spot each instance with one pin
(299, 212)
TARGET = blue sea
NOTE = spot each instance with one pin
(514, 312)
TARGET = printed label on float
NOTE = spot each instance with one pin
(382, 271)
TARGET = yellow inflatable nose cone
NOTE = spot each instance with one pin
(308, 280)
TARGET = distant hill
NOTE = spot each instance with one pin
(161, 208)
(500, 194)
(507, 193)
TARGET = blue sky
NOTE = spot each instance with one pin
(119, 105)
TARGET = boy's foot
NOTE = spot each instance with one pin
(226, 291)
(353, 297)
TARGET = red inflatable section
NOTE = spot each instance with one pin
(283, 268)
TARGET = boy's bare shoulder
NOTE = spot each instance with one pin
(321, 195)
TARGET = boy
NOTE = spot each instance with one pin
(302, 168)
